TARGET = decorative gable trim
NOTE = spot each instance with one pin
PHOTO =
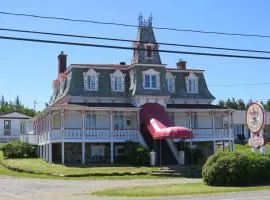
(117, 81)
(91, 80)
(192, 83)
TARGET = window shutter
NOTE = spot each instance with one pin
(123, 83)
(112, 82)
(85, 81)
(196, 85)
(96, 82)
(173, 84)
(158, 80)
(187, 83)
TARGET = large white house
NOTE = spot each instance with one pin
(96, 108)
(12, 125)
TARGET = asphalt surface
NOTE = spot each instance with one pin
(15, 188)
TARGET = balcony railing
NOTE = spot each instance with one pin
(212, 134)
(73, 135)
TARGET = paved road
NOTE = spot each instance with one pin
(13, 188)
(42, 189)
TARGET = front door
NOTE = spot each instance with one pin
(7, 127)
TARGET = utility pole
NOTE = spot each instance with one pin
(35, 103)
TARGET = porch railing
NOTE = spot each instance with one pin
(84, 135)
(212, 133)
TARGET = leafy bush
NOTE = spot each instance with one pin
(237, 168)
(18, 149)
(135, 154)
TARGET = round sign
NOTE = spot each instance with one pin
(255, 117)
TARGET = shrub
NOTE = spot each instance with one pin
(245, 168)
(135, 154)
(18, 149)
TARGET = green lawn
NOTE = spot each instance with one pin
(245, 148)
(173, 190)
(37, 168)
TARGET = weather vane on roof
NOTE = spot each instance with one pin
(143, 22)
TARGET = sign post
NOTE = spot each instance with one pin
(255, 119)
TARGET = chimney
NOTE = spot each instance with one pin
(62, 62)
(181, 64)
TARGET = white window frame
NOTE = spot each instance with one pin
(192, 81)
(151, 73)
(170, 78)
(118, 81)
(91, 73)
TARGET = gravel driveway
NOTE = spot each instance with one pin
(41, 189)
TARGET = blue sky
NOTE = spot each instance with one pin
(27, 69)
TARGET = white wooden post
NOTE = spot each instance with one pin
(83, 152)
(214, 146)
(138, 120)
(62, 117)
(63, 152)
(112, 154)
(213, 123)
(50, 152)
(111, 120)
(190, 119)
(111, 144)
(47, 152)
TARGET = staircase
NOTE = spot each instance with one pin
(179, 171)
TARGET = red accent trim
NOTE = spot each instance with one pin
(158, 123)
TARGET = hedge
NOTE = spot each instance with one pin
(18, 149)
(236, 169)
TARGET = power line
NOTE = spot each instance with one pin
(130, 25)
(126, 40)
(240, 84)
(131, 48)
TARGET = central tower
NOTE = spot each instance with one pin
(145, 51)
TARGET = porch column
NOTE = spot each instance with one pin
(190, 119)
(83, 125)
(213, 123)
(83, 152)
(111, 119)
(111, 144)
(62, 123)
(50, 152)
(214, 146)
(49, 126)
(112, 154)
(230, 146)
(63, 152)
(138, 120)
(46, 152)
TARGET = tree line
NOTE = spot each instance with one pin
(239, 104)
(15, 106)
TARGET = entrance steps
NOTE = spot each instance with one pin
(188, 171)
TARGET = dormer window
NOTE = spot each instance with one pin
(170, 79)
(151, 79)
(91, 80)
(118, 81)
(149, 50)
(192, 83)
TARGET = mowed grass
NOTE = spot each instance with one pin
(173, 190)
(43, 169)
